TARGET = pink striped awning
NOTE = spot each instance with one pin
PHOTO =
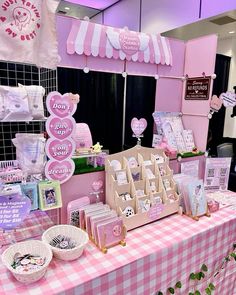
(95, 40)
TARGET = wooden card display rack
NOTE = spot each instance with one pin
(140, 186)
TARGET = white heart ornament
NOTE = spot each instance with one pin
(228, 98)
(138, 126)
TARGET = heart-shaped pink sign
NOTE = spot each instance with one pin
(97, 185)
(228, 98)
(60, 105)
(138, 126)
(60, 128)
(215, 103)
(60, 150)
(14, 208)
(61, 171)
(129, 42)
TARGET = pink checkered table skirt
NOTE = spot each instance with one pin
(156, 257)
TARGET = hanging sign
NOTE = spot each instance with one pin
(13, 210)
(138, 126)
(228, 98)
(60, 127)
(197, 88)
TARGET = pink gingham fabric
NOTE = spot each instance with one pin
(34, 225)
(156, 257)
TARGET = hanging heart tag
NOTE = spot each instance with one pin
(216, 103)
(138, 126)
(228, 98)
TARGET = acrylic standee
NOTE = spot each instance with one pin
(149, 193)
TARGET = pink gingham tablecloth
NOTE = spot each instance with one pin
(156, 257)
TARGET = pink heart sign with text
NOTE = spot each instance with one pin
(60, 150)
(60, 128)
(60, 105)
(228, 98)
(97, 185)
(138, 126)
(61, 171)
(129, 42)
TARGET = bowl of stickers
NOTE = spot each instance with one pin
(28, 260)
(66, 241)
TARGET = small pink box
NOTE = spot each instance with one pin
(213, 206)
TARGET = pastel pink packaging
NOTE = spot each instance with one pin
(99, 218)
(35, 95)
(101, 222)
(30, 152)
(16, 106)
(110, 233)
(73, 216)
(82, 213)
(90, 215)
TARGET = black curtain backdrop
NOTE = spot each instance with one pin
(140, 103)
(216, 124)
(100, 106)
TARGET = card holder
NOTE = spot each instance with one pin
(143, 204)
(172, 196)
(135, 174)
(121, 177)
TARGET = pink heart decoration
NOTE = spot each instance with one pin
(60, 128)
(138, 126)
(129, 43)
(60, 105)
(215, 103)
(97, 185)
(61, 171)
(60, 150)
(228, 98)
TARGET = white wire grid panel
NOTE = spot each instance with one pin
(11, 74)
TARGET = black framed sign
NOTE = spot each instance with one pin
(197, 88)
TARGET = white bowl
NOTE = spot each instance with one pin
(33, 247)
(74, 233)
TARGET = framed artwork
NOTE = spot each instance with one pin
(197, 198)
(49, 195)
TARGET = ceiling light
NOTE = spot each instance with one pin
(67, 8)
(231, 32)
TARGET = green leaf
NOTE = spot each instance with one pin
(192, 276)
(208, 291)
(178, 285)
(204, 267)
(233, 255)
(227, 258)
(159, 293)
(190, 293)
(198, 276)
(197, 292)
(171, 290)
(202, 274)
(211, 286)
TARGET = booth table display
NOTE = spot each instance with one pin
(157, 255)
